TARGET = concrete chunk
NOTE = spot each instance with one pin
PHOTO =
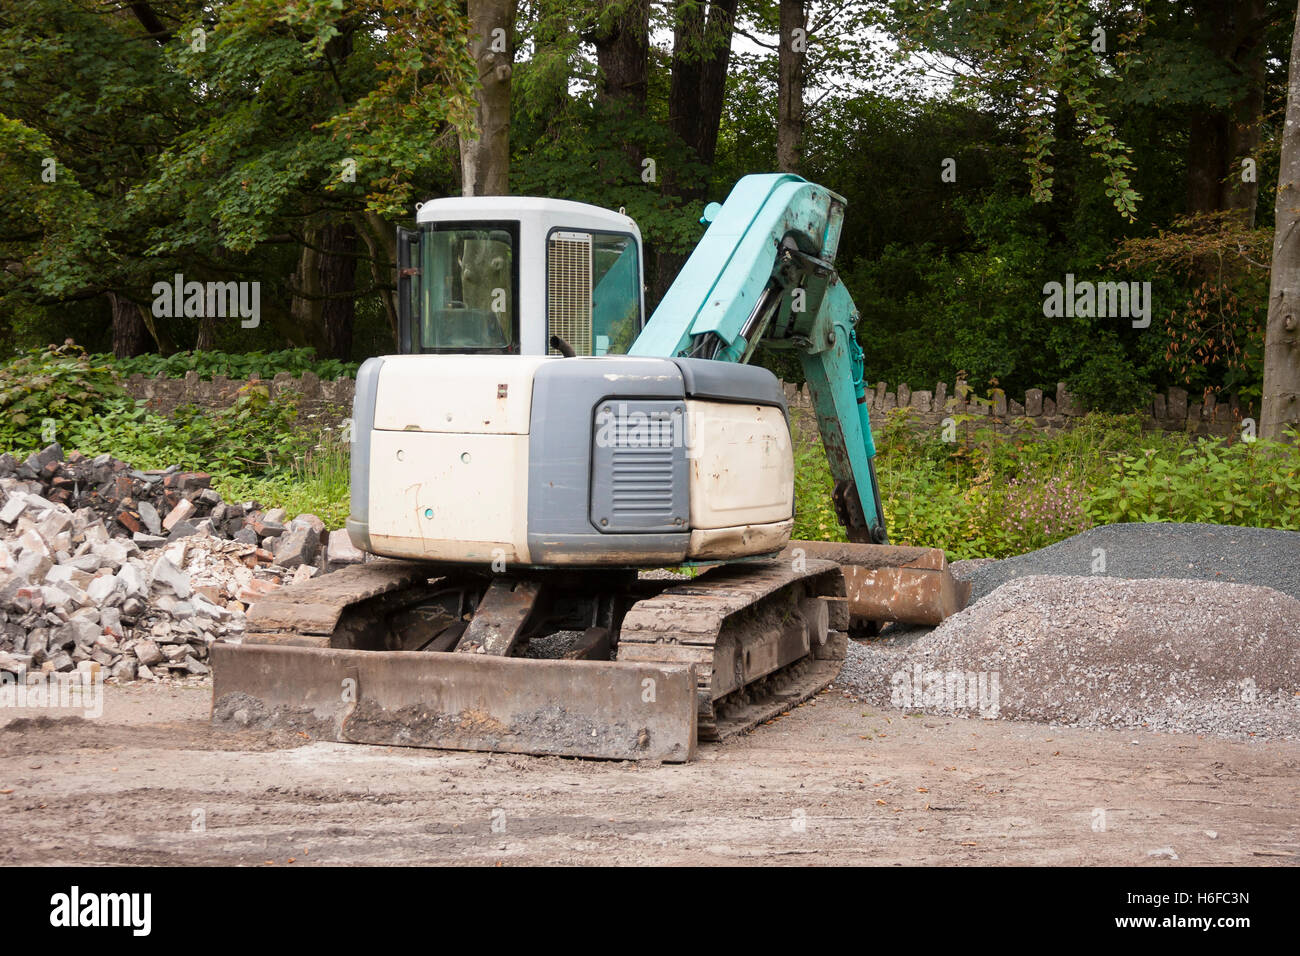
(298, 546)
(103, 589)
(170, 578)
(342, 551)
(15, 506)
(148, 653)
(149, 515)
(310, 521)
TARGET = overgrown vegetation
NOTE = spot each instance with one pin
(210, 364)
(44, 389)
(986, 495)
(259, 447)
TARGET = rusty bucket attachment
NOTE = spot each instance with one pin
(891, 582)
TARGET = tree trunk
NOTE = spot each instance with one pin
(1206, 134)
(381, 243)
(701, 52)
(339, 286)
(485, 158)
(1281, 406)
(713, 80)
(324, 305)
(130, 335)
(623, 56)
(793, 38)
(158, 331)
(1246, 119)
(207, 339)
(1218, 140)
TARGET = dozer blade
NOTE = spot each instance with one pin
(891, 582)
(576, 708)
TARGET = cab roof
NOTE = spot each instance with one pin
(533, 209)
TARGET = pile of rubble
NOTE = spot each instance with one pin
(104, 568)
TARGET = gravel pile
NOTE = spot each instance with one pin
(1141, 646)
(1265, 557)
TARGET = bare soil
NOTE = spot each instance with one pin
(836, 781)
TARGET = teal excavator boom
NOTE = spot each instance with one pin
(764, 273)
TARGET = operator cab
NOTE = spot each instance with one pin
(502, 274)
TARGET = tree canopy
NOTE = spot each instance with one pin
(986, 148)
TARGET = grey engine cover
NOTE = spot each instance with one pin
(625, 496)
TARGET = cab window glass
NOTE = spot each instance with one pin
(616, 294)
(468, 278)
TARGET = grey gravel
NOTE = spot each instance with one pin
(1166, 654)
(1262, 556)
(553, 645)
(1190, 628)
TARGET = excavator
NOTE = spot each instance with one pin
(577, 520)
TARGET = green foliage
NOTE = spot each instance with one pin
(45, 392)
(258, 447)
(255, 437)
(214, 149)
(316, 483)
(1214, 482)
(1045, 57)
(987, 495)
(928, 314)
(208, 365)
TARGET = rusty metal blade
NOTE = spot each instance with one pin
(891, 582)
(603, 709)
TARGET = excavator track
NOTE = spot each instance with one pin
(355, 657)
(308, 614)
(764, 636)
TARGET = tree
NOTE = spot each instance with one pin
(621, 36)
(1053, 59)
(1223, 135)
(1281, 405)
(318, 145)
(87, 102)
(485, 152)
(793, 37)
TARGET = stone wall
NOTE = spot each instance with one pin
(1170, 411)
(165, 394)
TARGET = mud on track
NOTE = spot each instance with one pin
(836, 781)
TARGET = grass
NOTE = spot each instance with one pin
(317, 484)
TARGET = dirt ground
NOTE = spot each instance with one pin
(835, 781)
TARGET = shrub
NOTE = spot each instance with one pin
(992, 495)
(209, 364)
(45, 392)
